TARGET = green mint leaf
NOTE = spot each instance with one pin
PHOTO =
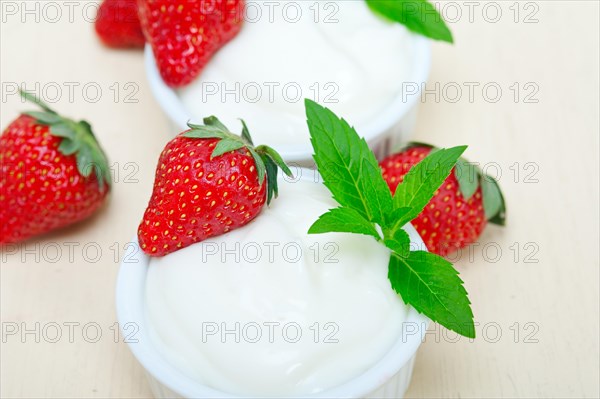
(431, 285)
(379, 197)
(493, 201)
(226, 145)
(343, 220)
(398, 215)
(468, 178)
(340, 155)
(418, 16)
(423, 180)
(398, 241)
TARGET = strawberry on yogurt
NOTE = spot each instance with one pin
(338, 53)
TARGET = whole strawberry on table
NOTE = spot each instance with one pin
(208, 181)
(53, 173)
(118, 25)
(461, 208)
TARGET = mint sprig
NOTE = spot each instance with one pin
(419, 16)
(349, 168)
(350, 171)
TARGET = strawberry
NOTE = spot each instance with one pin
(185, 35)
(208, 182)
(460, 209)
(52, 173)
(118, 24)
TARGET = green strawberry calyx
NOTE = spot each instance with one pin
(266, 159)
(470, 177)
(77, 138)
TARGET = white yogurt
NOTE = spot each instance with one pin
(195, 294)
(355, 66)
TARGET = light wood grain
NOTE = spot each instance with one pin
(558, 296)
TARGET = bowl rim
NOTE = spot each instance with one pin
(130, 308)
(373, 131)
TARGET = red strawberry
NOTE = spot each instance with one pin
(185, 35)
(118, 24)
(208, 182)
(52, 173)
(460, 209)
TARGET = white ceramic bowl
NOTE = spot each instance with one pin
(388, 378)
(393, 126)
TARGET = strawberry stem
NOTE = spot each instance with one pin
(77, 139)
(31, 98)
(266, 159)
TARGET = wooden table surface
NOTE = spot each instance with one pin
(534, 284)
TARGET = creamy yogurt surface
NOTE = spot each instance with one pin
(268, 310)
(339, 54)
